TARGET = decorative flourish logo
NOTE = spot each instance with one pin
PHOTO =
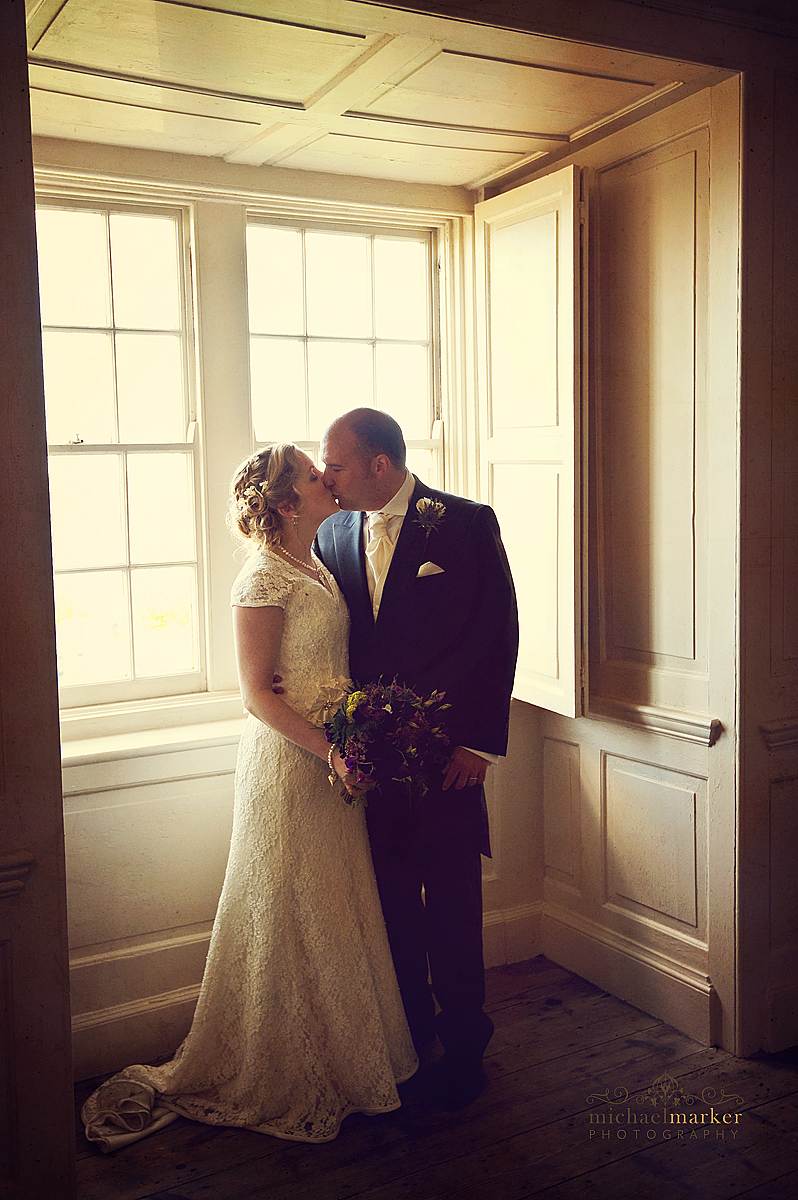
(665, 1110)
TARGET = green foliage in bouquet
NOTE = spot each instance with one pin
(387, 732)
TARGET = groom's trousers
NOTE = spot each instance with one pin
(429, 876)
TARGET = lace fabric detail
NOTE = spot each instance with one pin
(266, 579)
(299, 1020)
(315, 646)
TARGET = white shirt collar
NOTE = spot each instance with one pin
(397, 505)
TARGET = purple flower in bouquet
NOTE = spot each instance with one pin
(389, 733)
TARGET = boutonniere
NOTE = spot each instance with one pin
(430, 514)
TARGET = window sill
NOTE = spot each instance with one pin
(147, 742)
(107, 722)
(168, 740)
(180, 756)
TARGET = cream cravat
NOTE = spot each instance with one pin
(378, 548)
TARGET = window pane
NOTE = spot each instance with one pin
(401, 286)
(274, 275)
(161, 508)
(164, 621)
(149, 373)
(403, 387)
(340, 377)
(277, 388)
(91, 616)
(339, 285)
(79, 387)
(115, 354)
(146, 276)
(86, 511)
(74, 284)
(422, 463)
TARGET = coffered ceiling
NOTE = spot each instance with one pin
(338, 86)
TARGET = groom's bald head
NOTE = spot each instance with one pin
(374, 433)
(364, 455)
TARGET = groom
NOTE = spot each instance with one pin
(432, 604)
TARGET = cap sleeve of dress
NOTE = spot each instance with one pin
(261, 585)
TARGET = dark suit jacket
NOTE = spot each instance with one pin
(456, 631)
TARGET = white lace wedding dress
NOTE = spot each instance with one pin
(299, 1020)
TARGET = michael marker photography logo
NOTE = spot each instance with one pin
(664, 1112)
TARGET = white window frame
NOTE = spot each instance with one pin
(434, 442)
(147, 687)
(216, 220)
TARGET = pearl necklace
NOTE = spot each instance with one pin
(309, 566)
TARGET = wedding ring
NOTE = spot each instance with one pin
(472, 779)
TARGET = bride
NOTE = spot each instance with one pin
(299, 1020)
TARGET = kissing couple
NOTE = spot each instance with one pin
(347, 945)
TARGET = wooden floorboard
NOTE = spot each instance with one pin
(566, 1057)
(785, 1188)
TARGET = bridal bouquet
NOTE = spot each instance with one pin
(388, 732)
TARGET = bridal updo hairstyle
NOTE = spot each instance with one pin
(261, 485)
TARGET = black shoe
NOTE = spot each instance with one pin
(429, 1054)
(458, 1084)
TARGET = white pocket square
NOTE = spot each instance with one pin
(428, 568)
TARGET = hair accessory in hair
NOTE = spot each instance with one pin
(254, 491)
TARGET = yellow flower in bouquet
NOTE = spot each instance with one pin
(390, 734)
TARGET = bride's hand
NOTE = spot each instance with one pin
(356, 785)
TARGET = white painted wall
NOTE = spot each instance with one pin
(148, 809)
(147, 833)
(639, 796)
(669, 819)
(752, 804)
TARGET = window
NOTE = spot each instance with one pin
(341, 319)
(121, 452)
(179, 333)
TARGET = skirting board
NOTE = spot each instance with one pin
(142, 1031)
(152, 1027)
(511, 935)
(666, 991)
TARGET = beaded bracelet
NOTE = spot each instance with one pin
(333, 778)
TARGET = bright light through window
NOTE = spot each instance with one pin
(339, 320)
(121, 463)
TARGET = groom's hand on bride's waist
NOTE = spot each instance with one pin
(464, 769)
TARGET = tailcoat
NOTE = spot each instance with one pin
(453, 629)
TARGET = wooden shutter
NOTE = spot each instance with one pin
(529, 349)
